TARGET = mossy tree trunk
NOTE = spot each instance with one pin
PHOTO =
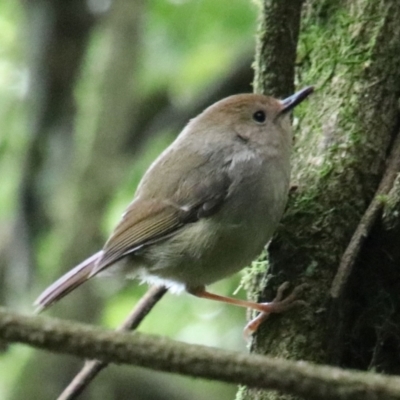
(350, 51)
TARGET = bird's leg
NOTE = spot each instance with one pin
(275, 306)
(286, 304)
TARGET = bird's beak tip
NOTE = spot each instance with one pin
(295, 99)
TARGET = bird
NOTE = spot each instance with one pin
(207, 206)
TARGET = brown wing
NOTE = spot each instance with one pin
(146, 221)
(143, 221)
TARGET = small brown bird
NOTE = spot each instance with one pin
(207, 206)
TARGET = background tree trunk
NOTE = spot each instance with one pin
(350, 51)
(90, 177)
(57, 32)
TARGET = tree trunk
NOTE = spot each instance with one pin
(350, 51)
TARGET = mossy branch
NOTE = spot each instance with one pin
(299, 378)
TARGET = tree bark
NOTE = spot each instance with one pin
(350, 51)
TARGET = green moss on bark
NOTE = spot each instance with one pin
(350, 51)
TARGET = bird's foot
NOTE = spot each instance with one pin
(277, 305)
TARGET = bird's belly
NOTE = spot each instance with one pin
(205, 252)
(213, 248)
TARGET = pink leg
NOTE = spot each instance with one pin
(276, 306)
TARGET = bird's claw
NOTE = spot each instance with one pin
(277, 305)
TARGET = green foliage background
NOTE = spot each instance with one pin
(185, 47)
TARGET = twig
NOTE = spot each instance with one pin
(366, 223)
(92, 367)
(314, 382)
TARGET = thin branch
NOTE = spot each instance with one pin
(92, 367)
(367, 221)
(298, 378)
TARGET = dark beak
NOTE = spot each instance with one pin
(292, 101)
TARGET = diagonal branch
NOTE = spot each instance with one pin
(92, 367)
(299, 378)
(367, 221)
(337, 315)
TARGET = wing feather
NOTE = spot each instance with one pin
(144, 221)
(152, 217)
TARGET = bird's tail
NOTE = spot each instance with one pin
(67, 283)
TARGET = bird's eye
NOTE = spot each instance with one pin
(259, 116)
